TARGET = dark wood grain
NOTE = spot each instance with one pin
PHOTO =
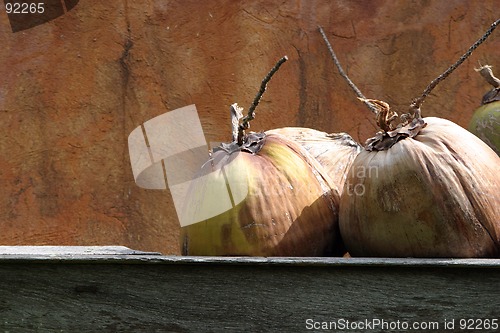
(140, 292)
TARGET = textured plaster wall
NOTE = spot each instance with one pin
(72, 89)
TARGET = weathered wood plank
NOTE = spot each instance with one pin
(69, 251)
(153, 293)
(121, 254)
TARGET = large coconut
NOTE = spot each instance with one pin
(423, 187)
(428, 189)
(260, 195)
(281, 202)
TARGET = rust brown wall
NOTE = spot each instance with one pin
(73, 89)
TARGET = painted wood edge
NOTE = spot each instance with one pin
(50, 250)
(327, 261)
(156, 259)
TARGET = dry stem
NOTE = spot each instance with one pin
(487, 74)
(358, 92)
(245, 124)
(417, 102)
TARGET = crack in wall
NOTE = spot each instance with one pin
(127, 46)
(126, 73)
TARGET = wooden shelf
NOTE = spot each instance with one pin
(111, 289)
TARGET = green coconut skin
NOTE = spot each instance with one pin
(435, 195)
(285, 207)
(485, 124)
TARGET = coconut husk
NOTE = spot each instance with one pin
(276, 201)
(436, 194)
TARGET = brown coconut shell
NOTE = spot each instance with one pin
(334, 151)
(283, 203)
(436, 194)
